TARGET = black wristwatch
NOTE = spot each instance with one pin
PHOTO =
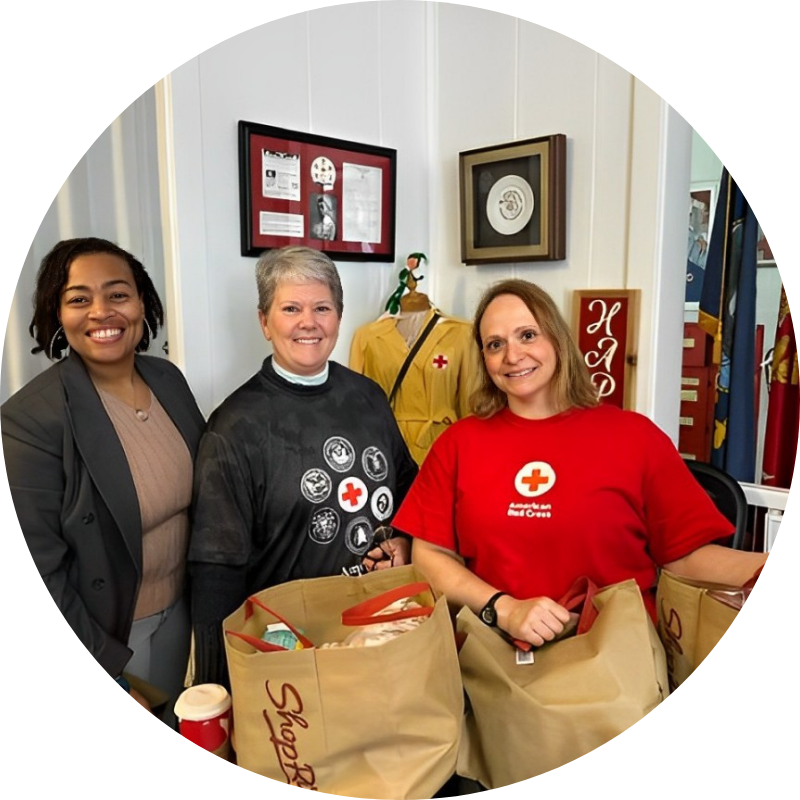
(488, 613)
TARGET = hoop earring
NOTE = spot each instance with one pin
(53, 341)
(150, 334)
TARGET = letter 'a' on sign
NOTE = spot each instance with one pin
(606, 327)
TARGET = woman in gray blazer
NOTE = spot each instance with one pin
(99, 451)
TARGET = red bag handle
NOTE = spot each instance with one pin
(736, 598)
(581, 596)
(751, 581)
(260, 644)
(366, 612)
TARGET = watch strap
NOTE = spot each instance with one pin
(491, 609)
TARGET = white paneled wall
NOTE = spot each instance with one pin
(431, 80)
(111, 193)
(356, 72)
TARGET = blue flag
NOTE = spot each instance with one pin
(728, 313)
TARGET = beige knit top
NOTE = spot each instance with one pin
(161, 467)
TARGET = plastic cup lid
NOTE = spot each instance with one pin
(205, 701)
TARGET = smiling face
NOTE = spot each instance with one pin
(519, 357)
(101, 310)
(302, 324)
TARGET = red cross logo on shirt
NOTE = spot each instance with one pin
(351, 494)
(535, 478)
(441, 361)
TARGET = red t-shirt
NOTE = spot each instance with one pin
(531, 505)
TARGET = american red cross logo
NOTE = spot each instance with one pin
(535, 478)
(440, 362)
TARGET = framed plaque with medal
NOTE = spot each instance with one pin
(513, 201)
(329, 194)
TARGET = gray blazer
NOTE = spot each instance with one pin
(75, 498)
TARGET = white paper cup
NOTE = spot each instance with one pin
(204, 717)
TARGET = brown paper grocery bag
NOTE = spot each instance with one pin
(692, 618)
(580, 692)
(373, 722)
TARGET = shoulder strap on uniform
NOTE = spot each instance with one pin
(412, 353)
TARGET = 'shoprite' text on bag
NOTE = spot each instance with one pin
(375, 722)
(580, 692)
(692, 618)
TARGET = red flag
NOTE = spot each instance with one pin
(783, 411)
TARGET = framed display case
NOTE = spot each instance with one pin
(329, 194)
(513, 201)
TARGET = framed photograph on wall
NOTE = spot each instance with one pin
(702, 203)
(606, 327)
(513, 201)
(329, 194)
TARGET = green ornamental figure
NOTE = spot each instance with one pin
(408, 281)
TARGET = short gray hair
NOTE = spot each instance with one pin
(296, 265)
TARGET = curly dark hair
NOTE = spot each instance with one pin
(52, 278)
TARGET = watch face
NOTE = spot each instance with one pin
(489, 616)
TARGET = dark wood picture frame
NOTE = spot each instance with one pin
(606, 327)
(333, 195)
(513, 201)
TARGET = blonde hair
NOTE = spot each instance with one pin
(572, 384)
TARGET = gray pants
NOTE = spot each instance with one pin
(160, 645)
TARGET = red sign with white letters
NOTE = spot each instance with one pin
(605, 324)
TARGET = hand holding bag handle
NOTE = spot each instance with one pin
(579, 597)
(523, 721)
(735, 598)
(367, 612)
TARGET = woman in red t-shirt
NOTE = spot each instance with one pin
(544, 485)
